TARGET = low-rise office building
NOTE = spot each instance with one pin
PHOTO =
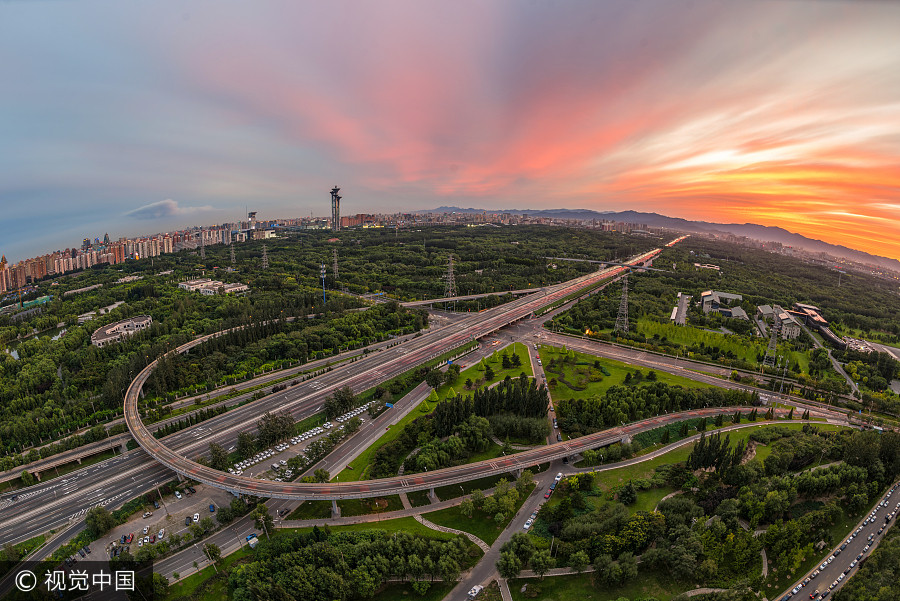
(116, 331)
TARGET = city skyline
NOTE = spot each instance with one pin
(155, 118)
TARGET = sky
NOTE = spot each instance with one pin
(134, 118)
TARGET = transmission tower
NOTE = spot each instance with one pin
(450, 280)
(232, 254)
(334, 266)
(622, 317)
(202, 247)
(265, 261)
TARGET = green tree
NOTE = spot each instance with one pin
(509, 565)
(321, 475)
(27, 478)
(542, 562)
(196, 531)
(578, 561)
(160, 586)
(524, 482)
(207, 524)
(262, 519)
(213, 552)
(99, 521)
(218, 457)
(246, 445)
(627, 494)
(467, 507)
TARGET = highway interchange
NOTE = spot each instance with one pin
(114, 481)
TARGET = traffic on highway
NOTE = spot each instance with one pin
(846, 558)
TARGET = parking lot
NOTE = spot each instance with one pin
(274, 459)
(169, 518)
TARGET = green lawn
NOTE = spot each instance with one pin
(359, 469)
(480, 524)
(320, 510)
(451, 491)
(418, 498)
(583, 370)
(396, 525)
(744, 347)
(580, 587)
(647, 500)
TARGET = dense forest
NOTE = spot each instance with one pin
(324, 566)
(631, 403)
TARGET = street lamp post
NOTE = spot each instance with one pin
(323, 285)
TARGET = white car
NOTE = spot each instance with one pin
(475, 590)
(196, 517)
(177, 494)
(528, 523)
(558, 476)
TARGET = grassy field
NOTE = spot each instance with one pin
(579, 587)
(396, 525)
(480, 524)
(742, 346)
(583, 370)
(418, 498)
(361, 464)
(647, 500)
(318, 510)
(451, 491)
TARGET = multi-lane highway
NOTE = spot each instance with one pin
(360, 375)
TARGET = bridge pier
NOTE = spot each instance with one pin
(335, 510)
(78, 459)
(431, 493)
(37, 476)
(518, 473)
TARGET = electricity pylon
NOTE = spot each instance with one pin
(622, 317)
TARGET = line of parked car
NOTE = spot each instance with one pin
(351, 414)
(817, 595)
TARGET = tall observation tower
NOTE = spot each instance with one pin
(335, 209)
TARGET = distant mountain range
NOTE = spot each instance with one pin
(763, 233)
